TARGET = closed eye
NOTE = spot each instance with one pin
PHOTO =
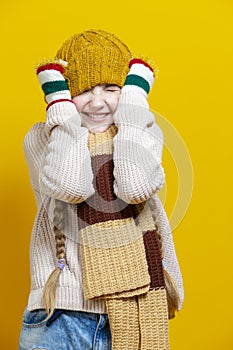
(111, 88)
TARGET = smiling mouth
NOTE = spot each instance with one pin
(97, 117)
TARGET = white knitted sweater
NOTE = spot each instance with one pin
(60, 168)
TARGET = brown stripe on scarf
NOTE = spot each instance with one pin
(121, 258)
(154, 260)
(104, 204)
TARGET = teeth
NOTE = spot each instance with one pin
(99, 116)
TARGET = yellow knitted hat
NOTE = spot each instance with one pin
(94, 57)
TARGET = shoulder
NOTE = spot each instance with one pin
(35, 131)
(36, 138)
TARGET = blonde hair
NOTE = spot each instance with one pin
(49, 295)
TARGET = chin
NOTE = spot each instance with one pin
(99, 128)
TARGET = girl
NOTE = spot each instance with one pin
(104, 273)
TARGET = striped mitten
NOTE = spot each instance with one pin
(53, 83)
(140, 77)
(60, 105)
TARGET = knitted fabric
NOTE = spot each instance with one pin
(147, 313)
(94, 57)
(68, 153)
(121, 259)
(140, 75)
(62, 158)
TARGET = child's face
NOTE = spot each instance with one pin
(97, 106)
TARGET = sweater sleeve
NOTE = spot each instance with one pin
(171, 264)
(58, 157)
(138, 173)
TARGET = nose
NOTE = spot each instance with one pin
(97, 101)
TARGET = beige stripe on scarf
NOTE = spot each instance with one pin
(121, 261)
(139, 323)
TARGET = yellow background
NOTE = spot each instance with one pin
(191, 43)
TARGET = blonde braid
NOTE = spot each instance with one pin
(173, 297)
(49, 295)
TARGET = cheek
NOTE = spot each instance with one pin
(113, 102)
(79, 102)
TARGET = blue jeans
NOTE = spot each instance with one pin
(68, 330)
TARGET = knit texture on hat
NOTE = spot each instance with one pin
(94, 57)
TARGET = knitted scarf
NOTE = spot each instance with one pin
(121, 258)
